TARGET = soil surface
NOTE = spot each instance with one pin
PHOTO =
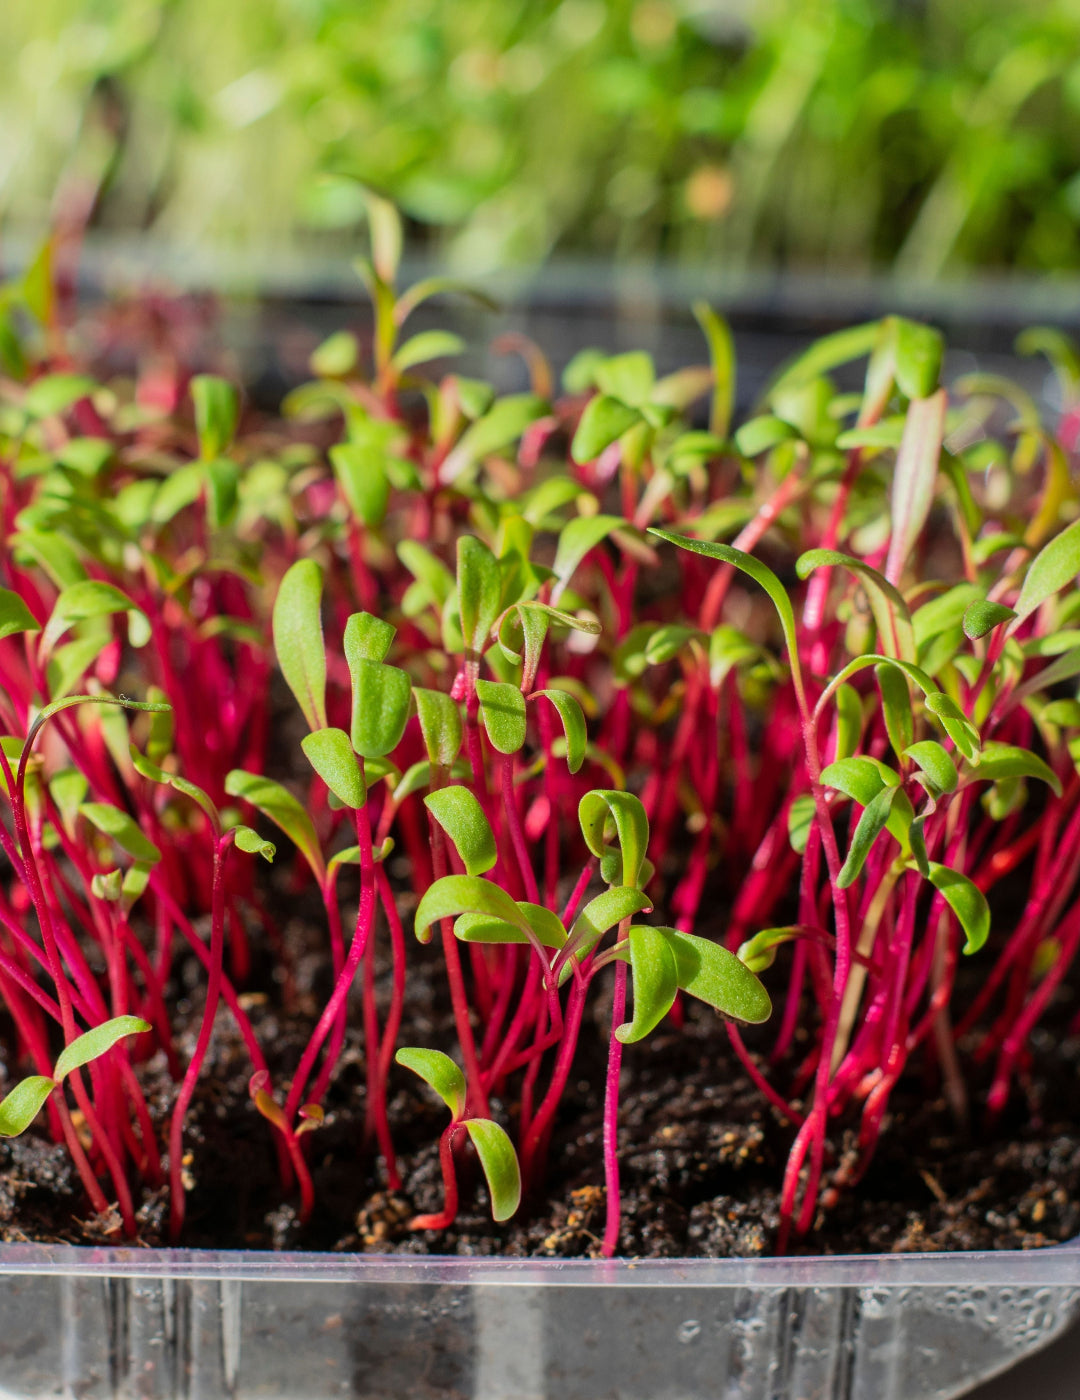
(702, 1156)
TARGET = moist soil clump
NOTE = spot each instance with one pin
(702, 1156)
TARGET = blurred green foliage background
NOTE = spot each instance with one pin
(926, 136)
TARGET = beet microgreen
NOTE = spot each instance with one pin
(563, 770)
(493, 1147)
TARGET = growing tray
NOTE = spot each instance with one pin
(175, 1323)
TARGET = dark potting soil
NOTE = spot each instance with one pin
(701, 1155)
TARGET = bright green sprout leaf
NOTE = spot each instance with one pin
(502, 710)
(19, 1108)
(367, 638)
(254, 844)
(666, 643)
(759, 952)
(599, 915)
(474, 396)
(848, 720)
(56, 393)
(298, 639)
(151, 771)
(1056, 564)
(629, 376)
(428, 570)
(500, 1164)
(123, 829)
(331, 755)
(573, 722)
(89, 599)
(546, 928)
(998, 761)
(500, 427)
(109, 885)
(479, 586)
(869, 827)
(380, 707)
(440, 725)
(722, 355)
(860, 778)
(337, 356)
(95, 1043)
(956, 724)
(715, 976)
(458, 812)
(983, 616)
(427, 346)
(436, 287)
(759, 435)
(896, 706)
(891, 616)
(967, 902)
(605, 811)
(282, 808)
(465, 894)
(217, 409)
(935, 762)
(603, 422)
(439, 1072)
(360, 469)
(656, 982)
(918, 351)
(827, 353)
(15, 616)
(1063, 712)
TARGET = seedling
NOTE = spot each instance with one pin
(493, 1147)
(22, 1104)
(612, 696)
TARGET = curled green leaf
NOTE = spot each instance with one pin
(439, 1072)
(655, 982)
(500, 1164)
(458, 812)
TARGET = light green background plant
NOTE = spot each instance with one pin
(931, 135)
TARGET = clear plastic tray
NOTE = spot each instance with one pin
(147, 1324)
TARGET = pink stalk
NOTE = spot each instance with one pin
(206, 1029)
(611, 1106)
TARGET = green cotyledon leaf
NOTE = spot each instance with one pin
(502, 711)
(458, 812)
(967, 902)
(331, 755)
(715, 976)
(655, 982)
(380, 707)
(439, 1072)
(22, 1105)
(500, 1164)
(440, 725)
(298, 639)
(96, 1042)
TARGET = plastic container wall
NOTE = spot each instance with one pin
(146, 1325)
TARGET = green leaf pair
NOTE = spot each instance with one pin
(494, 1148)
(22, 1105)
